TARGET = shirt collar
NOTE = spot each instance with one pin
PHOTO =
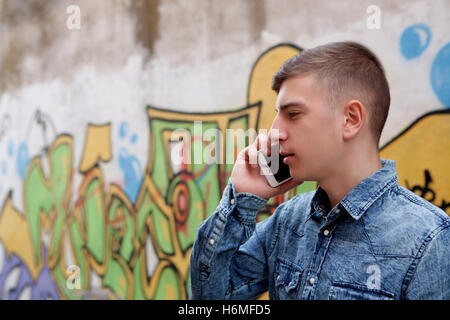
(361, 197)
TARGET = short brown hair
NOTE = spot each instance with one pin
(350, 70)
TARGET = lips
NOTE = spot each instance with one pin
(286, 156)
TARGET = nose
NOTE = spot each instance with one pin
(277, 133)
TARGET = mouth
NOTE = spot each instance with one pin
(286, 156)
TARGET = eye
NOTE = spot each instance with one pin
(292, 114)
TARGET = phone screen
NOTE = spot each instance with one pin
(283, 170)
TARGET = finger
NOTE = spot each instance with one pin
(263, 144)
(242, 156)
(252, 156)
(274, 136)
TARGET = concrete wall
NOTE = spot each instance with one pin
(85, 172)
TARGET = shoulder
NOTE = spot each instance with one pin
(400, 223)
(419, 210)
(431, 222)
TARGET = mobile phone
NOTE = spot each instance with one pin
(273, 167)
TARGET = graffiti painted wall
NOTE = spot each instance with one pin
(97, 200)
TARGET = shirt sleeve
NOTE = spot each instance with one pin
(430, 273)
(218, 269)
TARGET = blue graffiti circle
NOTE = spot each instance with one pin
(414, 40)
(132, 170)
(440, 75)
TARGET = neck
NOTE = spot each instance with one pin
(352, 170)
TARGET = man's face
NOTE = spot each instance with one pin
(308, 130)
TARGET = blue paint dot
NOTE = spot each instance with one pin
(4, 167)
(10, 148)
(133, 173)
(22, 160)
(414, 40)
(133, 138)
(440, 75)
(123, 130)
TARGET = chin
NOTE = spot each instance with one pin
(299, 176)
(296, 175)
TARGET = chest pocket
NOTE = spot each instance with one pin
(287, 279)
(348, 291)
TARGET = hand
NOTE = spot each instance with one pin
(247, 176)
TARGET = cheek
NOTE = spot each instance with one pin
(331, 125)
(325, 138)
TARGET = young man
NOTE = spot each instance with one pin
(359, 235)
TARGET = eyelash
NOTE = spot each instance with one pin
(290, 114)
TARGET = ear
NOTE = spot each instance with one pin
(354, 118)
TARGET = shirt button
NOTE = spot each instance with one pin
(338, 210)
(232, 201)
(326, 232)
(278, 277)
(211, 241)
(311, 281)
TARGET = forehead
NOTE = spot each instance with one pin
(304, 90)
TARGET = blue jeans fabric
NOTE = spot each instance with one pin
(380, 242)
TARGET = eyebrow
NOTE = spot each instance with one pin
(292, 104)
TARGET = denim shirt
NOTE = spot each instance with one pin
(380, 242)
